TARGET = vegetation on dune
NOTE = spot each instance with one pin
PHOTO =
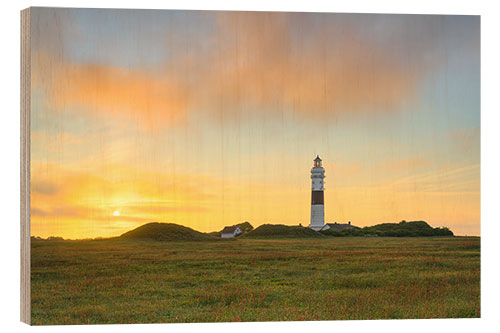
(245, 227)
(406, 229)
(401, 229)
(356, 232)
(127, 281)
(50, 238)
(175, 232)
(282, 231)
(166, 232)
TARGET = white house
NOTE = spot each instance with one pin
(338, 226)
(230, 232)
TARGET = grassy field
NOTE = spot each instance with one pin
(120, 281)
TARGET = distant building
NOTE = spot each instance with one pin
(338, 226)
(317, 198)
(230, 232)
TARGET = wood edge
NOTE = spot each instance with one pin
(25, 115)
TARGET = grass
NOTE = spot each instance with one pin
(133, 281)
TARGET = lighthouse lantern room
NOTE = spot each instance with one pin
(317, 197)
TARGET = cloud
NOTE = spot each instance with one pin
(55, 143)
(44, 187)
(134, 95)
(406, 164)
(466, 140)
(317, 65)
(59, 192)
(164, 207)
(61, 211)
(324, 67)
(38, 212)
(346, 170)
(450, 178)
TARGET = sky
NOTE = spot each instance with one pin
(209, 119)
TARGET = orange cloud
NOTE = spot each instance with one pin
(405, 164)
(331, 69)
(80, 203)
(151, 100)
(261, 60)
(44, 187)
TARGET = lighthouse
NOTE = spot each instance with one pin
(317, 198)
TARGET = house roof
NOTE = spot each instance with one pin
(317, 158)
(339, 226)
(229, 230)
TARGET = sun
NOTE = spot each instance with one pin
(116, 213)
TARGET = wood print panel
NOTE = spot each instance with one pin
(170, 126)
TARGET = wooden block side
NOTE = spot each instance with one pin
(25, 166)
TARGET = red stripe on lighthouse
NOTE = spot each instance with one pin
(317, 198)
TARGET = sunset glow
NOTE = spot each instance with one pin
(208, 119)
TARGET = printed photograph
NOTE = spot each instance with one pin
(221, 166)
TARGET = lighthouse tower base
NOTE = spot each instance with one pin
(317, 217)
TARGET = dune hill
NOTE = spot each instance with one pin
(281, 231)
(401, 229)
(166, 232)
(407, 229)
(245, 227)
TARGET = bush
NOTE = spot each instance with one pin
(282, 231)
(401, 229)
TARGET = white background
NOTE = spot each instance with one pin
(490, 139)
